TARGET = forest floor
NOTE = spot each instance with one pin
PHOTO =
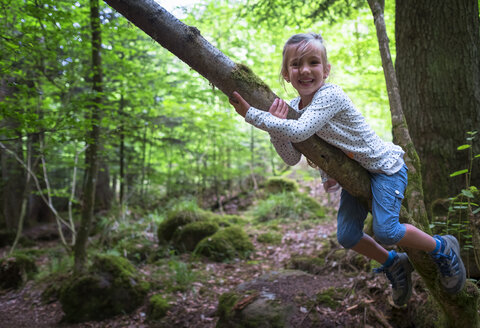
(368, 304)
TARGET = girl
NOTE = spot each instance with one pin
(328, 112)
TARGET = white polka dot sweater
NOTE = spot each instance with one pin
(333, 117)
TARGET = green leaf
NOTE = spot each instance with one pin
(454, 174)
(462, 147)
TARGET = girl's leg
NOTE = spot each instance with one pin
(416, 238)
(350, 220)
(368, 247)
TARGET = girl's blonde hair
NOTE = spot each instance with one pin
(302, 40)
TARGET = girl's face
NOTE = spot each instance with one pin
(305, 70)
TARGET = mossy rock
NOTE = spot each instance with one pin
(310, 264)
(275, 185)
(274, 238)
(16, 269)
(187, 237)
(275, 300)
(225, 244)
(262, 310)
(176, 219)
(157, 307)
(110, 287)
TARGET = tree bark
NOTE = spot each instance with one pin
(93, 140)
(438, 67)
(459, 310)
(11, 184)
(186, 43)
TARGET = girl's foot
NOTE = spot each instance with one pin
(400, 275)
(450, 264)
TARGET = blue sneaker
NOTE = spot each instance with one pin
(450, 264)
(400, 276)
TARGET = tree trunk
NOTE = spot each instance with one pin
(93, 140)
(187, 44)
(438, 72)
(11, 184)
(459, 310)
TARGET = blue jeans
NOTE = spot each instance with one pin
(387, 192)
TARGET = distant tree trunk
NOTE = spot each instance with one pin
(144, 164)
(437, 63)
(93, 140)
(13, 176)
(122, 154)
(103, 193)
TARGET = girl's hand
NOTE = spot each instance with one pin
(237, 101)
(279, 108)
(331, 185)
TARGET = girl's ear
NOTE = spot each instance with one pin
(327, 70)
(285, 77)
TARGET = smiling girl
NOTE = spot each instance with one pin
(328, 112)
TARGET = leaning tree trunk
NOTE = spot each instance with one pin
(438, 68)
(93, 140)
(459, 310)
(186, 43)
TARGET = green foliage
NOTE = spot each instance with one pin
(225, 244)
(157, 307)
(183, 276)
(464, 206)
(287, 205)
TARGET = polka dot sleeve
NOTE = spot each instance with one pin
(285, 149)
(317, 114)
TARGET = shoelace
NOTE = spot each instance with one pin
(446, 263)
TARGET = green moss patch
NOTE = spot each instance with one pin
(275, 185)
(187, 237)
(157, 307)
(274, 238)
(331, 297)
(225, 244)
(176, 219)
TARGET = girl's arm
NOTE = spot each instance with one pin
(311, 121)
(285, 150)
